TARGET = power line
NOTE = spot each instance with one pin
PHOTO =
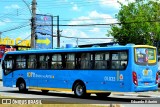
(83, 38)
(85, 19)
(102, 24)
(18, 27)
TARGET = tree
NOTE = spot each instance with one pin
(139, 23)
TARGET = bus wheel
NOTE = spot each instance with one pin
(45, 91)
(100, 95)
(80, 90)
(22, 86)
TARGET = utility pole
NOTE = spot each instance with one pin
(34, 3)
(58, 35)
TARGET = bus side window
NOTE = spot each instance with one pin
(119, 60)
(116, 65)
(70, 61)
(20, 61)
(123, 65)
(56, 61)
(42, 62)
(32, 61)
(115, 61)
(86, 61)
(8, 64)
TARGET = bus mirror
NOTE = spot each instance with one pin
(3, 65)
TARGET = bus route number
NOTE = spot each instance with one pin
(106, 78)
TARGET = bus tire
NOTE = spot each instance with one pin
(22, 86)
(80, 90)
(102, 95)
(44, 91)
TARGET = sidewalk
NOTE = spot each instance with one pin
(154, 94)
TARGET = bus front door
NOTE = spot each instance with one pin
(7, 69)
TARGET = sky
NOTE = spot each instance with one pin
(16, 13)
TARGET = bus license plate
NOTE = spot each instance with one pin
(146, 83)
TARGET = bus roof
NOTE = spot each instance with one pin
(114, 47)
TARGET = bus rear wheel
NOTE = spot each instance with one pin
(22, 86)
(100, 95)
(80, 90)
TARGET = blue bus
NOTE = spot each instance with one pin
(84, 71)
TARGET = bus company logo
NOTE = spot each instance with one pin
(34, 75)
(29, 74)
(147, 72)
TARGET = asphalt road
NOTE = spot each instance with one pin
(60, 97)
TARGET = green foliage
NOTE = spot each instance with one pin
(139, 23)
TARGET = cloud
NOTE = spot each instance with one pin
(13, 6)
(80, 20)
(7, 20)
(74, 33)
(95, 30)
(113, 3)
(75, 7)
(4, 21)
(94, 18)
(69, 32)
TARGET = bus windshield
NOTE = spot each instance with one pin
(145, 55)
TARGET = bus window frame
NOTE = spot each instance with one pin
(110, 59)
(118, 51)
(62, 61)
(65, 60)
(76, 67)
(103, 60)
(81, 61)
(45, 61)
(37, 67)
(16, 55)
